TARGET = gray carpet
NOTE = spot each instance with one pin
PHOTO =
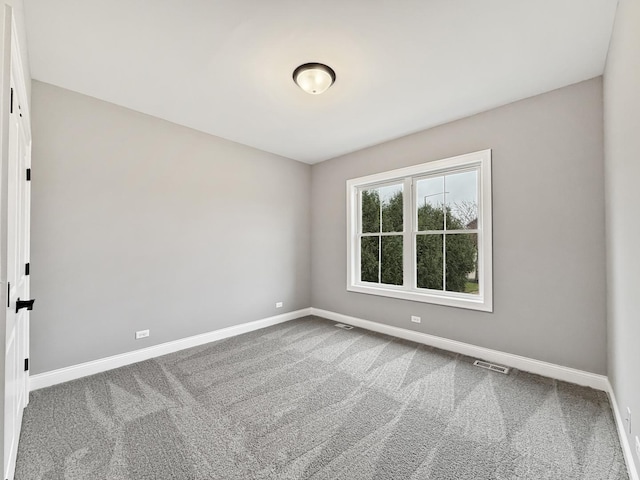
(306, 400)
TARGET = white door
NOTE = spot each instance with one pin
(17, 184)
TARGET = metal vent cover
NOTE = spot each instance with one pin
(491, 366)
(343, 326)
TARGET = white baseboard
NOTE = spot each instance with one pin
(567, 374)
(622, 434)
(572, 375)
(73, 372)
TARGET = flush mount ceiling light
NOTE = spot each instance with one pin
(314, 78)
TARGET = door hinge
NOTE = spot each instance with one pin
(28, 174)
(11, 110)
(8, 294)
(27, 266)
(26, 364)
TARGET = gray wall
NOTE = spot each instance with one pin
(549, 239)
(622, 171)
(139, 223)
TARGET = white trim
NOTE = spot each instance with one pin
(433, 167)
(440, 298)
(478, 161)
(526, 364)
(622, 434)
(73, 372)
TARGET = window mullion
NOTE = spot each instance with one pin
(408, 260)
(380, 243)
(444, 236)
(479, 235)
(355, 261)
(444, 262)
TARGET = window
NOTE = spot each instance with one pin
(423, 233)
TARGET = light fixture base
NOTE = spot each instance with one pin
(314, 78)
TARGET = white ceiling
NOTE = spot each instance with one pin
(225, 66)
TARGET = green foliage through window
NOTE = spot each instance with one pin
(444, 261)
(381, 255)
(461, 252)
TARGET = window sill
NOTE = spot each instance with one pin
(466, 302)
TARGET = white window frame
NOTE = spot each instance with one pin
(480, 161)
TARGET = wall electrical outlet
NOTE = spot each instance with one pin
(279, 305)
(142, 334)
(415, 319)
(628, 419)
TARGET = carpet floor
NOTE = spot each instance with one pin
(307, 400)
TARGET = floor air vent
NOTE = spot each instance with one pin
(343, 326)
(491, 366)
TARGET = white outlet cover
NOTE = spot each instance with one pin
(279, 305)
(142, 334)
(415, 319)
